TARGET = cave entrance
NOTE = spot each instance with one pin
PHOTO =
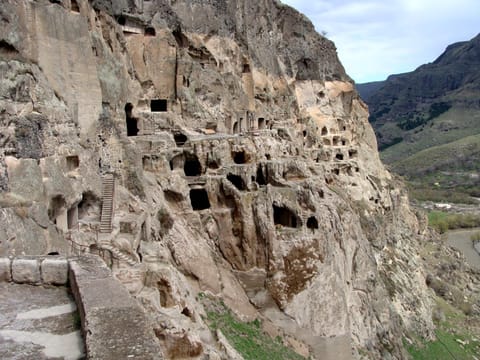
(239, 157)
(312, 223)
(74, 6)
(261, 123)
(180, 139)
(72, 217)
(192, 166)
(284, 216)
(199, 199)
(237, 181)
(324, 131)
(150, 31)
(260, 177)
(88, 207)
(235, 128)
(132, 123)
(72, 162)
(158, 105)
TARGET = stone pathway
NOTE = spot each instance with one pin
(38, 323)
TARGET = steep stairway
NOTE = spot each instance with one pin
(118, 254)
(108, 190)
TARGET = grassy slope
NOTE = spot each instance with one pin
(445, 152)
(453, 125)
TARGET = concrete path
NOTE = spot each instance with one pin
(38, 323)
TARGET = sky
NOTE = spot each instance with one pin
(377, 38)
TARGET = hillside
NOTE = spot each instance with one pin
(435, 105)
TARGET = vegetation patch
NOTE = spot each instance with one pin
(247, 338)
(443, 221)
(453, 341)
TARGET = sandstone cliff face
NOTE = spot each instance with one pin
(243, 165)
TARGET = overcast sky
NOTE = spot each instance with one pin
(376, 38)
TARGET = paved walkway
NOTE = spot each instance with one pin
(38, 323)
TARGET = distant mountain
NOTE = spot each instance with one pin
(437, 105)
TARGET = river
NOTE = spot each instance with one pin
(460, 240)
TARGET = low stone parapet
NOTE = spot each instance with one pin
(35, 270)
(115, 326)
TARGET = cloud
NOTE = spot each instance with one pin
(376, 38)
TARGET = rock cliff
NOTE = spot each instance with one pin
(213, 147)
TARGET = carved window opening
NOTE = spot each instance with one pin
(88, 206)
(235, 128)
(336, 171)
(237, 181)
(132, 123)
(72, 162)
(324, 131)
(192, 166)
(285, 217)
(74, 6)
(150, 31)
(260, 177)
(199, 199)
(239, 157)
(53, 253)
(158, 105)
(180, 139)
(339, 156)
(312, 223)
(352, 154)
(246, 68)
(335, 140)
(261, 123)
(327, 142)
(122, 20)
(72, 217)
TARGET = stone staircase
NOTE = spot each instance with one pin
(106, 218)
(118, 254)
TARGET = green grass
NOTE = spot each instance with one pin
(247, 337)
(443, 221)
(453, 125)
(453, 341)
(446, 347)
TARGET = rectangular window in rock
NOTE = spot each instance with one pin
(158, 105)
(72, 162)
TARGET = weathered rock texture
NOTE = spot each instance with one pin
(243, 166)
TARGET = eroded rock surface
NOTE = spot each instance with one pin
(207, 147)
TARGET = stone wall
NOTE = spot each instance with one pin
(114, 325)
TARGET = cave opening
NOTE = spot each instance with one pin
(237, 181)
(132, 123)
(312, 223)
(199, 199)
(246, 68)
(180, 139)
(72, 217)
(73, 162)
(235, 128)
(284, 216)
(122, 20)
(74, 6)
(339, 156)
(261, 123)
(150, 31)
(88, 205)
(261, 179)
(239, 157)
(352, 154)
(158, 105)
(324, 131)
(192, 166)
